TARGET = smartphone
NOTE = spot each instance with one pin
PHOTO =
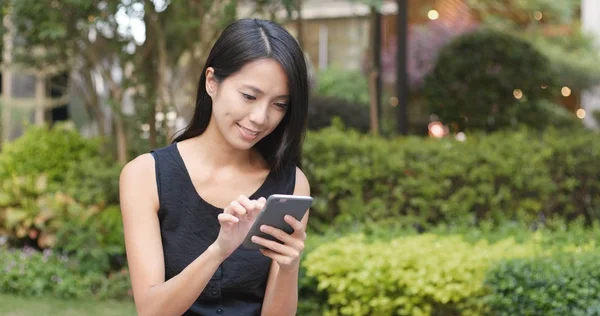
(273, 213)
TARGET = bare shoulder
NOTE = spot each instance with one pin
(140, 166)
(138, 179)
(302, 184)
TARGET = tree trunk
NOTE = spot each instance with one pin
(7, 52)
(88, 94)
(373, 103)
(119, 124)
(401, 66)
(162, 85)
(121, 139)
(375, 71)
(299, 23)
(153, 137)
(40, 98)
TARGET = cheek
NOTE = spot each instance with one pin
(275, 118)
(226, 108)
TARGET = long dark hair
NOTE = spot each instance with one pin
(245, 41)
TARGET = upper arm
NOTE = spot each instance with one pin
(139, 207)
(302, 188)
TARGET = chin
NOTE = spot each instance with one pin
(242, 146)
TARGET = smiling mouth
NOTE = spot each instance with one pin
(249, 131)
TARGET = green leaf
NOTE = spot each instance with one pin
(14, 216)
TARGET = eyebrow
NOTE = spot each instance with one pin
(257, 90)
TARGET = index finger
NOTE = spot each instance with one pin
(245, 202)
(260, 203)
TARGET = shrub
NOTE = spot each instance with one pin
(31, 215)
(29, 272)
(46, 150)
(564, 284)
(596, 115)
(72, 163)
(575, 57)
(28, 211)
(58, 191)
(96, 242)
(415, 275)
(93, 181)
(523, 176)
(475, 78)
(449, 272)
(349, 86)
(324, 110)
(558, 116)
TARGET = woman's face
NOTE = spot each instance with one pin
(249, 104)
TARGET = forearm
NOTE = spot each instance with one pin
(283, 297)
(176, 295)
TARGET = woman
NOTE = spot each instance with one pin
(187, 207)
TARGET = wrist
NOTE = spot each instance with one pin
(292, 268)
(216, 251)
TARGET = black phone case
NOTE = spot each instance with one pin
(276, 207)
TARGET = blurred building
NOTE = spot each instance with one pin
(590, 100)
(336, 33)
(27, 95)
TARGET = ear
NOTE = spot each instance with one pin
(211, 82)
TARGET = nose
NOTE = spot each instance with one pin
(259, 115)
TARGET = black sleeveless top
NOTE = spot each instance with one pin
(188, 225)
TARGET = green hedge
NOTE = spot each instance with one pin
(448, 274)
(28, 272)
(565, 284)
(74, 164)
(405, 276)
(519, 175)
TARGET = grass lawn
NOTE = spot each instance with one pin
(24, 306)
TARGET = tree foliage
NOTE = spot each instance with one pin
(98, 42)
(519, 13)
(553, 28)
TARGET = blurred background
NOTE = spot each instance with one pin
(453, 148)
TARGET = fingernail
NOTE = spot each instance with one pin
(263, 228)
(254, 238)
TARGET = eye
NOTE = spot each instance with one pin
(248, 97)
(281, 105)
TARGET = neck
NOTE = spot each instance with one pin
(221, 153)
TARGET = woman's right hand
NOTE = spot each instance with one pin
(236, 220)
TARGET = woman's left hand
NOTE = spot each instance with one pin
(288, 253)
